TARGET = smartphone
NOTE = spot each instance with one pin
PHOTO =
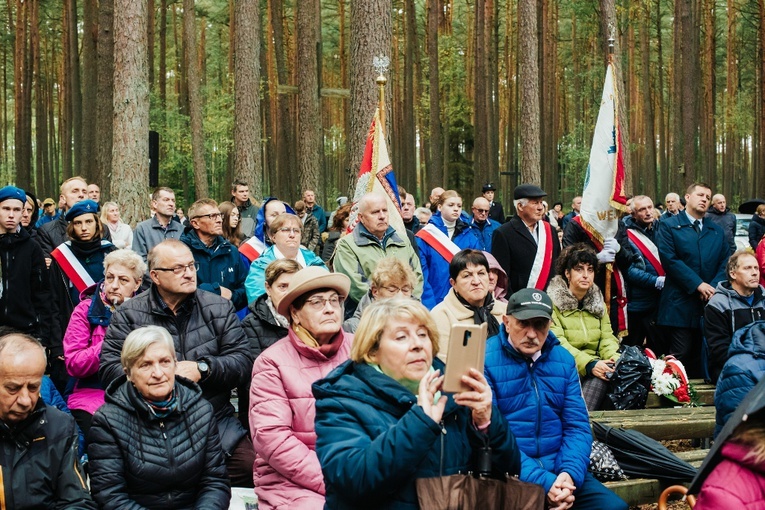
(467, 349)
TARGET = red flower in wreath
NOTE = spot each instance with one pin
(681, 393)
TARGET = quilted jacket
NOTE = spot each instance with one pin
(542, 402)
(138, 460)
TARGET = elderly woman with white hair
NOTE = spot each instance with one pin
(154, 444)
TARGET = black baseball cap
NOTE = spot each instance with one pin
(530, 304)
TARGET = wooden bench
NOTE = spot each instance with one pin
(705, 394)
(663, 423)
(644, 491)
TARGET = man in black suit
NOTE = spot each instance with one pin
(526, 247)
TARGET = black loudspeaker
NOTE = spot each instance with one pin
(153, 159)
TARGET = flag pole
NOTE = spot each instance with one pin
(381, 64)
(610, 265)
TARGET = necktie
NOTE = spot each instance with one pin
(697, 226)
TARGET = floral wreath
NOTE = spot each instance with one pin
(669, 379)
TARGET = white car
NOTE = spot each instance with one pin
(742, 230)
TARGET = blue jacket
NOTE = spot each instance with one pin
(543, 404)
(743, 370)
(688, 259)
(642, 294)
(435, 268)
(260, 220)
(255, 284)
(220, 265)
(374, 441)
(484, 235)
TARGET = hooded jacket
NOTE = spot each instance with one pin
(586, 333)
(260, 220)
(255, 281)
(212, 332)
(736, 482)
(82, 349)
(139, 460)
(435, 268)
(220, 265)
(743, 370)
(542, 401)
(727, 312)
(374, 441)
(38, 460)
(25, 303)
(282, 420)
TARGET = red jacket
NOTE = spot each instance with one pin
(734, 483)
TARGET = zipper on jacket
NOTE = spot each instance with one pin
(539, 409)
(168, 446)
(443, 433)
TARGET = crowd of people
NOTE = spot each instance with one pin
(333, 336)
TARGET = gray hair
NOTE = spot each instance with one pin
(141, 339)
(520, 201)
(17, 342)
(129, 259)
(155, 252)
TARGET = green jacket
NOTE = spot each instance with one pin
(357, 254)
(586, 333)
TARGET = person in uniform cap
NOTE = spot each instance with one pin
(496, 212)
(526, 246)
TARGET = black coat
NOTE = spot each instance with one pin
(756, 230)
(137, 458)
(26, 301)
(212, 332)
(496, 212)
(39, 463)
(262, 331)
(515, 249)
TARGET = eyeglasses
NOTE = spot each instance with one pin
(288, 230)
(318, 303)
(484, 211)
(179, 270)
(406, 289)
(212, 216)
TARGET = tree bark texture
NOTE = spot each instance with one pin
(130, 156)
(247, 128)
(105, 110)
(22, 95)
(195, 100)
(708, 133)
(88, 167)
(648, 185)
(76, 88)
(528, 77)
(310, 129)
(436, 170)
(370, 37)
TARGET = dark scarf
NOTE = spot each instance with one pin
(163, 408)
(84, 249)
(483, 314)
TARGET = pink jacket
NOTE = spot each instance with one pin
(761, 261)
(82, 353)
(734, 482)
(287, 473)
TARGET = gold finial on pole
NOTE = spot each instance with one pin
(381, 64)
(611, 40)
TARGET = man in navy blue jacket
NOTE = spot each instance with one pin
(536, 387)
(693, 252)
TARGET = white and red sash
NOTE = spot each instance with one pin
(647, 249)
(438, 241)
(252, 248)
(621, 287)
(540, 271)
(72, 267)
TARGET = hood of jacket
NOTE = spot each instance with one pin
(124, 394)
(192, 240)
(714, 211)
(749, 340)
(724, 288)
(7, 240)
(566, 302)
(260, 220)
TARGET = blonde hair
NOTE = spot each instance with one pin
(752, 434)
(129, 259)
(375, 319)
(446, 195)
(282, 220)
(105, 209)
(392, 269)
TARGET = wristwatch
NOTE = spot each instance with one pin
(204, 368)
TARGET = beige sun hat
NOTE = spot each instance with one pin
(313, 278)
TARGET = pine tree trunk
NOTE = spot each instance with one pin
(436, 139)
(648, 186)
(663, 121)
(247, 128)
(370, 37)
(528, 77)
(76, 89)
(105, 111)
(130, 157)
(88, 167)
(730, 90)
(195, 100)
(22, 136)
(309, 130)
(760, 172)
(41, 126)
(163, 57)
(407, 172)
(150, 30)
(708, 133)
(480, 94)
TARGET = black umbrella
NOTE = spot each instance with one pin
(750, 206)
(639, 456)
(752, 403)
